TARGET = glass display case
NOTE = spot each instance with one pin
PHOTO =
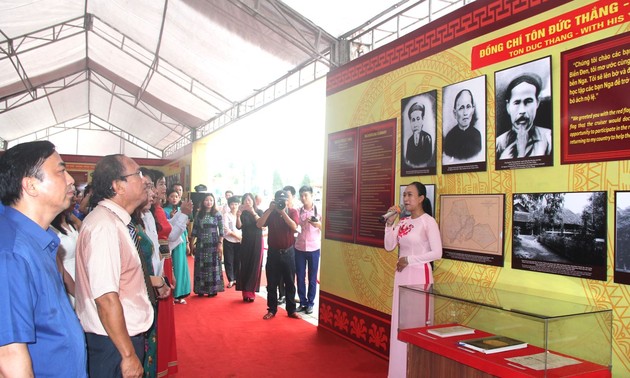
(561, 336)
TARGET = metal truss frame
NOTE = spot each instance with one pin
(10, 48)
(371, 35)
(116, 91)
(324, 50)
(92, 122)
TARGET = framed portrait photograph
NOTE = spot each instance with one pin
(524, 116)
(622, 237)
(430, 196)
(472, 227)
(560, 233)
(464, 126)
(419, 127)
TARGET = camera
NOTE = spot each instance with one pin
(313, 219)
(280, 205)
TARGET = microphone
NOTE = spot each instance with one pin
(383, 218)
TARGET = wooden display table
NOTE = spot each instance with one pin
(434, 357)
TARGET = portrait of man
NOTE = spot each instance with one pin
(464, 126)
(524, 126)
(418, 114)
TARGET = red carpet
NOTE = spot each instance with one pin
(226, 337)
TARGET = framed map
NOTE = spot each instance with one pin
(472, 227)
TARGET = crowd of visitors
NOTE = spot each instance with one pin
(114, 262)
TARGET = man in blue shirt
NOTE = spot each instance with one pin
(40, 335)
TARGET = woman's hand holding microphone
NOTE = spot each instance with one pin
(391, 215)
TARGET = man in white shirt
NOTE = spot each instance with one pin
(231, 240)
(226, 207)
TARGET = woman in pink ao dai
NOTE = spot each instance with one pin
(419, 242)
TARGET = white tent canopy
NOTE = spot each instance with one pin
(141, 77)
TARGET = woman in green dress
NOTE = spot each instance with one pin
(180, 263)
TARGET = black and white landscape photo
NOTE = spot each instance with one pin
(560, 233)
(622, 237)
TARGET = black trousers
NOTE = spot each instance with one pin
(230, 252)
(280, 270)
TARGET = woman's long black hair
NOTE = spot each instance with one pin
(422, 191)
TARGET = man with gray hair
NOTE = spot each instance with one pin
(113, 291)
(40, 334)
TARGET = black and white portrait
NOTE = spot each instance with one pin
(524, 116)
(464, 126)
(418, 115)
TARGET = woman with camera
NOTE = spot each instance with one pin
(248, 262)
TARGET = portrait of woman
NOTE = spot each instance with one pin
(464, 126)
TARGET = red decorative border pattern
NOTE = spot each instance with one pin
(468, 22)
(361, 325)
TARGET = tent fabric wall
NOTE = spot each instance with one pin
(149, 72)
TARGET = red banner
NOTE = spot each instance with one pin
(595, 80)
(577, 23)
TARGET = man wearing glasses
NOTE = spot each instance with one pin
(111, 282)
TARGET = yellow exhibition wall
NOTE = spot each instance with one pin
(364, 275)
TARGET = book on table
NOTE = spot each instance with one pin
(451, 331)
(493, 344)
